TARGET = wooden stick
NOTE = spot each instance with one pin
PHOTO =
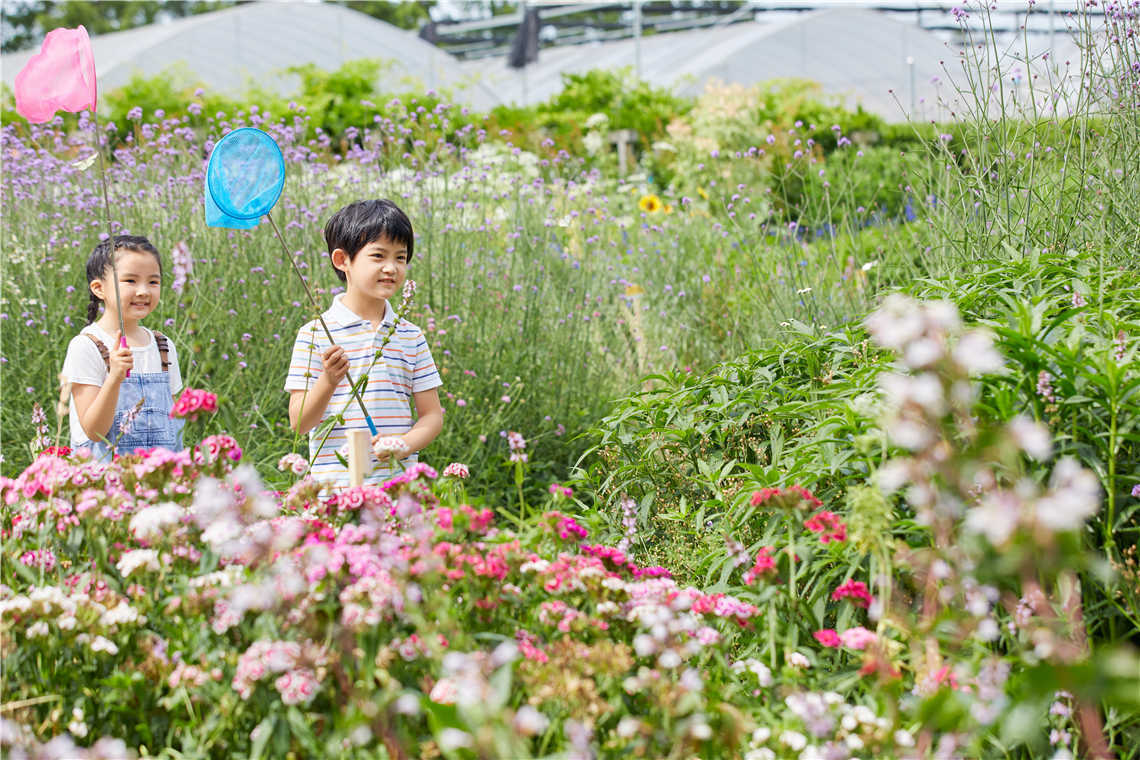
(359, 456)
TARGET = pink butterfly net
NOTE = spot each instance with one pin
(61, 77)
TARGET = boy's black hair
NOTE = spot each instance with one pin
(100, 261)
(363, 222)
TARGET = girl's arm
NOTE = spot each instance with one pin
(429, 421)
(95, 404)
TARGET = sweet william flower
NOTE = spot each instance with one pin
(192, 401)
(827, 637)
(456, 470)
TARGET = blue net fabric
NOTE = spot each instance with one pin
(244, 179)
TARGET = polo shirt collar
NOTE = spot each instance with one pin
(345, 317)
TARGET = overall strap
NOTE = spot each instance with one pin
(102, 350)
(163, 348)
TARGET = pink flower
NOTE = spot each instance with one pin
(827, 637)
(192, 401)
(793, 497)
(828, 525)
(856, 591)
(764, 562)
(857, 638)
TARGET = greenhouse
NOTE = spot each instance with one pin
(252, 44)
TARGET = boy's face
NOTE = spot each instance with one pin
(378, 270)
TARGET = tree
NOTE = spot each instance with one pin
(406, 14)
(25, 23)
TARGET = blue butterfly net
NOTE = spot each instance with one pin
(244, 179)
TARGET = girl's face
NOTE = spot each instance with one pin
(140, 282)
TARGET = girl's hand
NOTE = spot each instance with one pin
(122, 359)
(334, 362)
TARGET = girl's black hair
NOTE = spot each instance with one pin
(363, 222)
(100, 261)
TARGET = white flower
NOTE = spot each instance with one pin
(597, 120)
(37, 629)
(594, 143)
(133, 560)
(644, 645)
(150, 523)
(924, 389)
(761, 735)
(101, 644)
(408, 704)
(996, 517)
(910, 434)
(896, 323)
(529, 721)
(763, 674)
(1074, 496)
(763, 753)
(798, 660)
(923, 352)
(451, 739)
(444, 692)
(794, 740)
(389, 446)
(1032, 437)
(120, 613)
(903, 739)
(976, 354)
(628, 726)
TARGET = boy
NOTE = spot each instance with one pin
(370, 244)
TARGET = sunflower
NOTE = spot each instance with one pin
(650, 204)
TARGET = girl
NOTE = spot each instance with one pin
(121, 396)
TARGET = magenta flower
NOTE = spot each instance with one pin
(854, 590)
(827, 637)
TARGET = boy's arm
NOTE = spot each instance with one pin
(306, 408)
(429, 420)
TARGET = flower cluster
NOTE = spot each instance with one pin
(828, 525)
(517, 445)
(456, 470)
(764, 563)
(792, 497)
(294, 463)
(192, 402)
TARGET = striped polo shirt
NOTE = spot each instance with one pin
(406, 368)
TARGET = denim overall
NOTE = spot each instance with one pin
(152, 427)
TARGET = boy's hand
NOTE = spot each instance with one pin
(122, 359)
(334, 362)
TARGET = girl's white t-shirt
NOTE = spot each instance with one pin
(84, 366)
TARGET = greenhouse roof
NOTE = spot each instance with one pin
(858, 56)
(229, 49)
